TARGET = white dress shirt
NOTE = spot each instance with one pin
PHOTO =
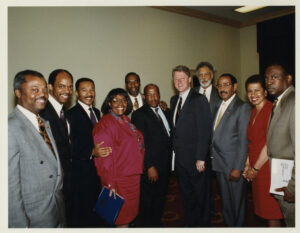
(58, 107)
(86, 109)
(139, 99)
(207, 92)
(30, 116)
(164, 119)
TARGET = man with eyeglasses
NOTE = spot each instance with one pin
(281, 132)
(229, 150)
(205, 73)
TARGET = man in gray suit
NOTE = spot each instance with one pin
(229, 150)
(281, 132)
(35, 176)
(205, 73)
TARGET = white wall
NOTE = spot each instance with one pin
(104, 43)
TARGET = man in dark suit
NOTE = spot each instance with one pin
(60, 85)
(205, 73)
(82, 117)
(154, 123)
(229, 150)
(133, 84)
(191, 118)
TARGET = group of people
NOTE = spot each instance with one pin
(60, 159)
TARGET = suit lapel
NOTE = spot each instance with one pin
(37, 138)
(84, 114)
(226, 114)
(185, 106)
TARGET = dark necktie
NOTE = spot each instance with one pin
(92, 116)
(204, 92)
(63, 119)
(44, 134)
(178, 109)
(161, 121)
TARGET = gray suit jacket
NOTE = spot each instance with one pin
(281, 132)
(215, 99)
(229, 142)
(35, 176)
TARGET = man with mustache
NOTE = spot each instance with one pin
(281, 132)
(82, 118)
(60, 85)
(154, 123)
(35, 176)
(133, 84)
(229, 150)
(205, 73)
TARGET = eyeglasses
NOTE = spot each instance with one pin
(224, 85)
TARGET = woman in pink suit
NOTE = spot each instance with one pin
(257, 167)
(120, 171)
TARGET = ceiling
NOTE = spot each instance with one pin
(227, 15)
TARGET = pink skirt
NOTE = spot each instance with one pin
(129, 189)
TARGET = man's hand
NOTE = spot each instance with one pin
(200, 165)
(152, 174)
(287, 195)
(99, 151)
(163, 105)
(235, 175)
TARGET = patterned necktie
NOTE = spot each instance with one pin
(136, 104)
(44, 134)
(63, 119)
(220, 115)
(92, 116)
(178, 109)
(161, 121)
(204, 92)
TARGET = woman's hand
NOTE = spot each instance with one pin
(113, 191)
(251, 174)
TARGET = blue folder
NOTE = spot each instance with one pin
(108, 207)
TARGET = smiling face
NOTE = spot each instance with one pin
(205, 76)
(256, 94)
(276, 80)
(62, 88)
(225, 88)
(152, 96)
(181, 81)
(118, 105)
(133, 85)
(33, 94)
(86, 92)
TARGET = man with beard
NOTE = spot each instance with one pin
(154, 123)
(281, 132)
(35, 176)
(82, 118)
(60, 85)
(229, 150)
(205, 73)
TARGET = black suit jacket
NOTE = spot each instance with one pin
(192, 133)
(215, 99)
(60, 135)
(81, 132)
(158, 148)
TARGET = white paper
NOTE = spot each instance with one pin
(281, 173)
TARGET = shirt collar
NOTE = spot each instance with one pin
(85, 107)
(56, 105)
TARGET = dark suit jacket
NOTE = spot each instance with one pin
(192, 134)
(60, 135)
(81, 132)
(158, 149)
(215, 99)
(229, 142)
